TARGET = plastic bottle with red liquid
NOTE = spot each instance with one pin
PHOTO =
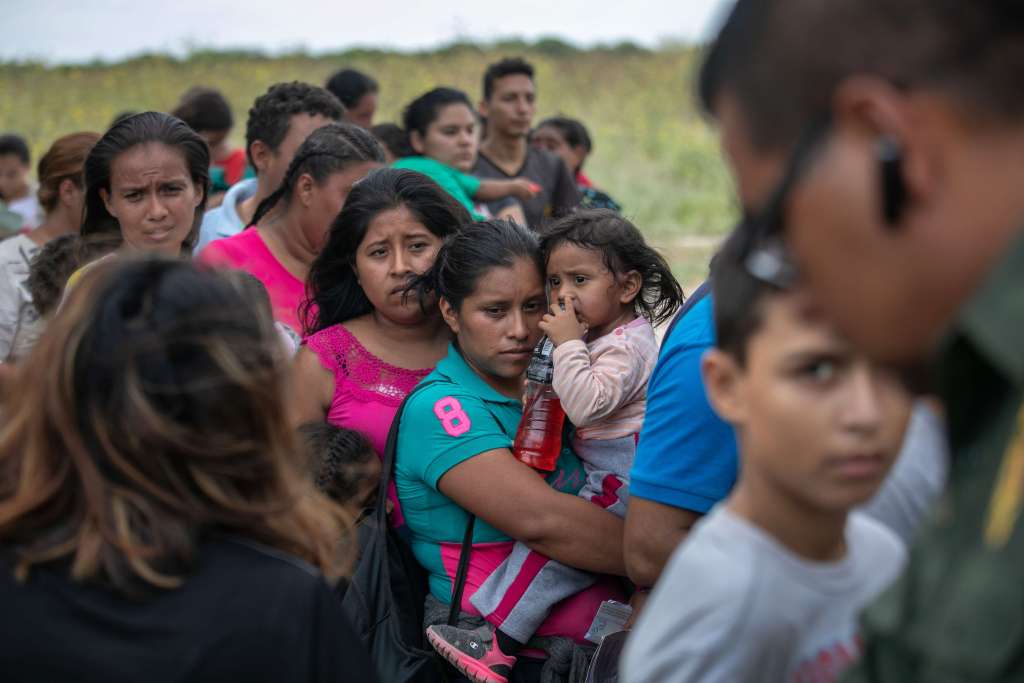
(539, 437)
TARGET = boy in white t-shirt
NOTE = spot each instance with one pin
(768, 586)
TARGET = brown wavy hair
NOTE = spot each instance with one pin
(63, 161)
(149, 418)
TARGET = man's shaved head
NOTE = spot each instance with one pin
(782, 59)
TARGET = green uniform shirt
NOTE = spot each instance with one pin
(957, 614)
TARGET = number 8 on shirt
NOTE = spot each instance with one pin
(453, 418)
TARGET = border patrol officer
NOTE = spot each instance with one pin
(877, 148)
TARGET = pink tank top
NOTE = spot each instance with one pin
(367, 391)
(247, 251)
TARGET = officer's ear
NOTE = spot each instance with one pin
(723, 381)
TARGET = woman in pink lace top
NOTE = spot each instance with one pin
(366, 391)
(368, 343)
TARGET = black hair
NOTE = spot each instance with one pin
(392, 136)
(573, 130)
(349, 86)
(152, 317)
(339, 459)
(783, 81)
(253, 291)
(205, 109)
(466, 257)
(326, 151)
(56, 261)
(738, 298)
(271, 113)
(623, 249)
(510, 66)
(136, 130)
(334, 295)
(121, 116)
(424, 110)
(49, 271)
(16, 145)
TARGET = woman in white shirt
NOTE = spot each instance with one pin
(61, 195)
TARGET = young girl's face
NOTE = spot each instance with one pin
(451, 138)
(551, 139)
(602, 300)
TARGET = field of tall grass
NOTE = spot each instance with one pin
(653, 152)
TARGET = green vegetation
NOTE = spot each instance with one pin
(653, 152)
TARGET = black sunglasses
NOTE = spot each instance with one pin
(762, 250)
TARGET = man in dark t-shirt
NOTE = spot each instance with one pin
(508, 106)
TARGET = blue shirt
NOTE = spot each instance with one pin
(686, 457)
(224, 221)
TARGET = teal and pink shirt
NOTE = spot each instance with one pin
(247, 251)
(458, 417)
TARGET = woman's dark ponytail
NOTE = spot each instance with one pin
(326, 151)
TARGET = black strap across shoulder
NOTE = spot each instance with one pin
(387, 475)
(460, 575)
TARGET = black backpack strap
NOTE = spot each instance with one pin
(386, 476)
(387, 472)
(460, 575)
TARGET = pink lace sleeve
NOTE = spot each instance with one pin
(358, 372)
(326, 348)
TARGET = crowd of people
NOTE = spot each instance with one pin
(259, 407)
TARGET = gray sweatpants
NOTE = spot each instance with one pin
(518, 596)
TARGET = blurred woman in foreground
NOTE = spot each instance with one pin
(155, 522)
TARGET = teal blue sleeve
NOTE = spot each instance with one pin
(410, 163)
(441, 429)
(470, 184)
